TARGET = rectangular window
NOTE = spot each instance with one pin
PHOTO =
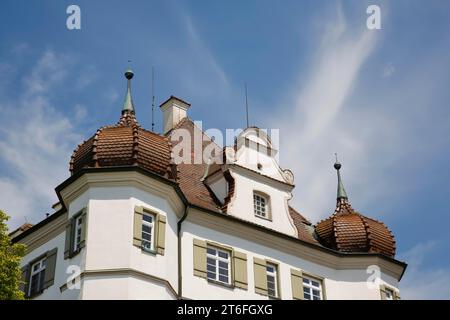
(272, 280)
(218, 265)
(312, 289)
(389, 294)
(260, 206)
(78, 233)
(148, 231)
(37, 277)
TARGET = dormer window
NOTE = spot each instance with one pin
(261, 205)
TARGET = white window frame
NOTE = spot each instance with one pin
(257, 208)
(310, 287)
(389, 293)
(151, 225)
(41, 263)
(217, 259)
(78, 232)
(274, 275)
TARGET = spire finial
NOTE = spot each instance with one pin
(246, 105)
(128, 105)
(341, 194)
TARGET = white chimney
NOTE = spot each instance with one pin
(174, 110)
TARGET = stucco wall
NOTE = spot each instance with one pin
(338, 284)
(241, 204)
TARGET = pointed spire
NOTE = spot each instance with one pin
(128, 106)
(341, 194)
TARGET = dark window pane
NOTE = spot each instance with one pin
(223, 264)
(146, 228)
(211, 251)
(223, 271)
(211, 275)
(146, 236)
(148, 218)
(211, 268)
(223, 254)
(223, 278)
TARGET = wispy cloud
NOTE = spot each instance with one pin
(314, 124)
(366, 127)
(80, 112)
(201, 49)
(36, 143)
(421, 282)
(86, 77)
(192, 58)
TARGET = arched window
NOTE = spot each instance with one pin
(261, 205)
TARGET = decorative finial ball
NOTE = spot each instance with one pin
(337, 166)
(129, 74)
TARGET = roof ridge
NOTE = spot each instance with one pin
(302, 216)
(135, 145)
(94, 147)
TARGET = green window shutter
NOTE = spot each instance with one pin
(200, 258)
(240, 270)
(160, 243)
(68, 249)
(137, 229)
(83, 229)
(297, 284)
(260, 272)
(383, 292)
(25, 279)
(50, 267)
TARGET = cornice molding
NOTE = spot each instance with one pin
(294, 246)
(46, 233)
(129, 272)
(122, 179)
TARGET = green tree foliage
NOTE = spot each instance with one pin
(10, 256)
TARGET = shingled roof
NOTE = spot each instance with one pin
(349, 231)
(190, 175)
(125, 144)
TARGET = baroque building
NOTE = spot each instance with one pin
(132, 223)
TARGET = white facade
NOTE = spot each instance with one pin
(112, 268)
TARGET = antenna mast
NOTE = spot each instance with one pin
(246, 104)
(153, 99)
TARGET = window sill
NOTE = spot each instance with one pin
(263, 218)
(35, 294)
(150, 251)
(222, 284)
(74, 253)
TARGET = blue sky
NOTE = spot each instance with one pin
(379, 98)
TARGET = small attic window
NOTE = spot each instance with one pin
(261, 205)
